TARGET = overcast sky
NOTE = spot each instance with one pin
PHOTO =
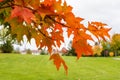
(107, 11)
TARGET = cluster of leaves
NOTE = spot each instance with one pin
(44, 21)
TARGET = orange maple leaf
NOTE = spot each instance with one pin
(98, 30)
(69, 18)
(47, 42)
(81, 35)
(58, 37)
(66, 8)
(58, 27)
(69, 31)
(98, 24)
(82, 47)
(58, 61)
(48, 2)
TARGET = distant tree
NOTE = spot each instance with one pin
(115, 43)
(106, 48)
(7, 47)
(6, 40)
(105, 45)
(43, 52)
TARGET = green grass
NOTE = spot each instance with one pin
(30, 67)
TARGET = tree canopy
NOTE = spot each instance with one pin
(115, 42)
(44, 21)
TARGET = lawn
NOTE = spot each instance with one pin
(31, 67)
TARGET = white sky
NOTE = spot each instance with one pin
(107, 11)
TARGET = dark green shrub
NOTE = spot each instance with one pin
(7, 47)
(71, 52)
(43, 52)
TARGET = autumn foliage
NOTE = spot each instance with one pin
(115, 41)
(44, 21)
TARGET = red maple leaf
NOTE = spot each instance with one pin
(23, 13)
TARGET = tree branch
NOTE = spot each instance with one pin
(2, 4)
(42, 32)
(5, 7)
(57, 22)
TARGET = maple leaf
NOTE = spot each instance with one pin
(65, 8)
(20, 2)
(69, 31)
(48, 2)
(72, 21)
(58, 27)
(80, 43)
(34, 3)
(23, 13)
(30, 3)
(58, 61)
(98, 30)
(57, 6)
(37, 36)
(58, 37)
(81, 35)
(98, 24)
(69, 18)
(82, 47)
(47, 42)
(45, 10)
